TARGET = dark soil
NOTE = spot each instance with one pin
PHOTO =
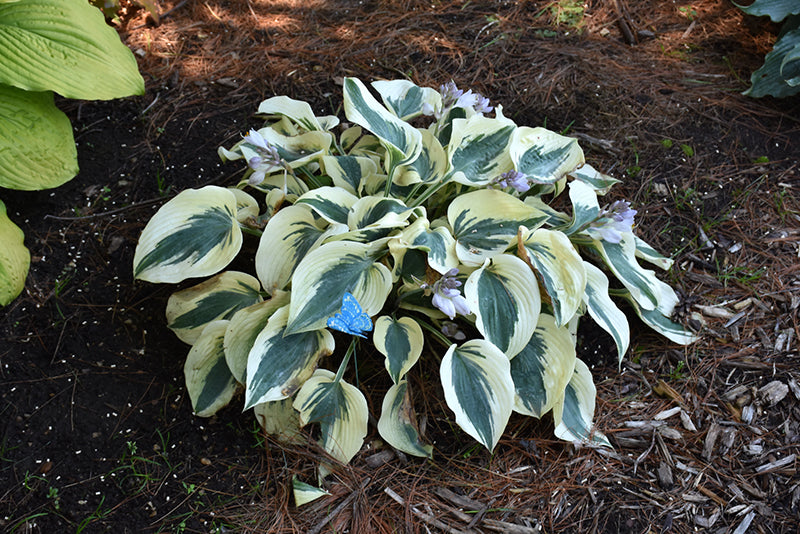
(97, 430)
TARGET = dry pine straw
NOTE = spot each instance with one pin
(709, 443)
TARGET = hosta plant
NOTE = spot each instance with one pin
(422, 227)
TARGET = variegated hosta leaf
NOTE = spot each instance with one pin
(246, 205)
(209, 382)
(663, 324)
(193, 235)
(297, 111)
(553, 255)
(478, 149)
(410, 265)
(296, 150)
(554, 217)
(370, 213)
(543, 368)
(585, 207)
(544, 156)
(349, 137)
(504, 296)
(438, 242)
(573, 415)
(290, 186)
(331, 203)
(289, 235)
(648, 291)
(279, 419)
(349, 172)
(402, 141)
(14, 258)
(191, 309)
(279, 363)
(603, 310)
(485, 222)
(305, 493)
(243, 329)
(326, 274)
(598, 181)
(476, 378)
(405, 99)
(398, 422)
(429, 167)
(400, 341)
(650, 255)
(339, 408)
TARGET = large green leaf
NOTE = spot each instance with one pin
(777, 10)
(326, 274)
(289, 235)
(209, 382)
(554, 257)
(341, 411)
(574, 414)
(544, 156)
(603, 310)
(542, 370)
(478, 387)
(243, 329)
(780, 74)
(402, 141)
(65, 46)
(191, 309)
(37, 150)
(195, 234)
(478, 149)
(398, 422)
(504, 296)
(14, 258)
(279, 363)
(400, 340)
(331, 203)
(486, 221)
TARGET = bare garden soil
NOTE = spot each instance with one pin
(96, 429)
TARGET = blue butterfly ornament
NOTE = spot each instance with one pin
(352, 319)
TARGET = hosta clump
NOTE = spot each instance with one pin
(423, 227)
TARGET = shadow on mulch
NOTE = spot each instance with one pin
(97, 428)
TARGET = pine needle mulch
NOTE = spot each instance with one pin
(705, 437)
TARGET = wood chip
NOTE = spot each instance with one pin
(711, 438)
(795, 387)
(774, 392)
(666, 414)
(745, 524)
(664, 474)
(687, 423)
(714, 311)
(777, 464)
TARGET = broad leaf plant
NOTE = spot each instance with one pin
(424, 228)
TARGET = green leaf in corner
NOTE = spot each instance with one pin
(398, 422)
(193, 235)
(37, 150)
(341, 411)
(573, 415)
(65, 46)
(191, 309)
(209, 382)
(14, 258)
(305, 493)
(478, 387)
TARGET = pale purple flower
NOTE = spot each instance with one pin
(482, 104)
(452, 330)
(453, 97)
(447, 297)
(267, 157)
(515, 179)
(614, 221)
